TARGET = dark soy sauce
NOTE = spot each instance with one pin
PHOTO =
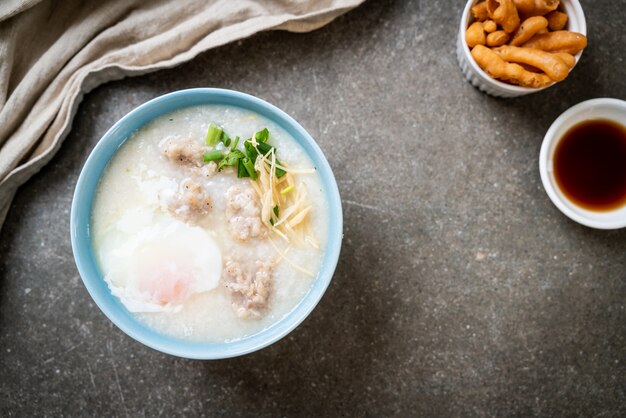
(590, 165)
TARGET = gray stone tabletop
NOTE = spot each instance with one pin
(461, 290)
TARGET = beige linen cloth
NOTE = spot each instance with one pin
(53, 52)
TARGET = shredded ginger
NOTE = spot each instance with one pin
(285, 214)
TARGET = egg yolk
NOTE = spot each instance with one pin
(170, 283)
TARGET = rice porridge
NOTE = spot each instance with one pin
(210, 223)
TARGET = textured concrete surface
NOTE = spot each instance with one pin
(461, 290)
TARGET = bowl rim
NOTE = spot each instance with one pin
(599, 220)
(511, 88)
(80, 224)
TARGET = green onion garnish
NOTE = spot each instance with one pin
(213, 156)
(250, 150)
(262, 136)
(231, 159)
(279, 171)
(225, 138)
(241, 170)
(249, 165)
(244, 163)
(264, 148)
(213, 135)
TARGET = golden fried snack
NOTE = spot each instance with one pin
(496, 67)
(490, 26)
(558, 41)
(568, 59)
(524, 7)
(553, 66)
(528, 29)
(475, 35)
(504, 13)
(497, 38)
(479, 11)
(530, 8)
(556, 20)
(531, 68)
(543, 7)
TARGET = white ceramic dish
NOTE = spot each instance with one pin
(481, 80)
(612, 109)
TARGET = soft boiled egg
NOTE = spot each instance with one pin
(156, 262)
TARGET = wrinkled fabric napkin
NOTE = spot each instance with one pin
(53, 52)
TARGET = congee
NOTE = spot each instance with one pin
(210, 223)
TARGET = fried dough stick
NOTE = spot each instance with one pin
(553, 66)
(513, 73)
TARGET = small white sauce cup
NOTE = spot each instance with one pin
(483, 81)
(610, 109)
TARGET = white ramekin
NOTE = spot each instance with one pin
(611, 109)
(486, 84)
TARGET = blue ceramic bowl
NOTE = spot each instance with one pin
(81, 224)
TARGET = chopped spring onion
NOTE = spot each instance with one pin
(264, 148)
(287, 189)
(213, 135)
(262, 136)
(225, 138)
(231, 159)
(235, 142)
(250, 150)
(241, 170)
(279, 171)
(249, 165)
(213, 156)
